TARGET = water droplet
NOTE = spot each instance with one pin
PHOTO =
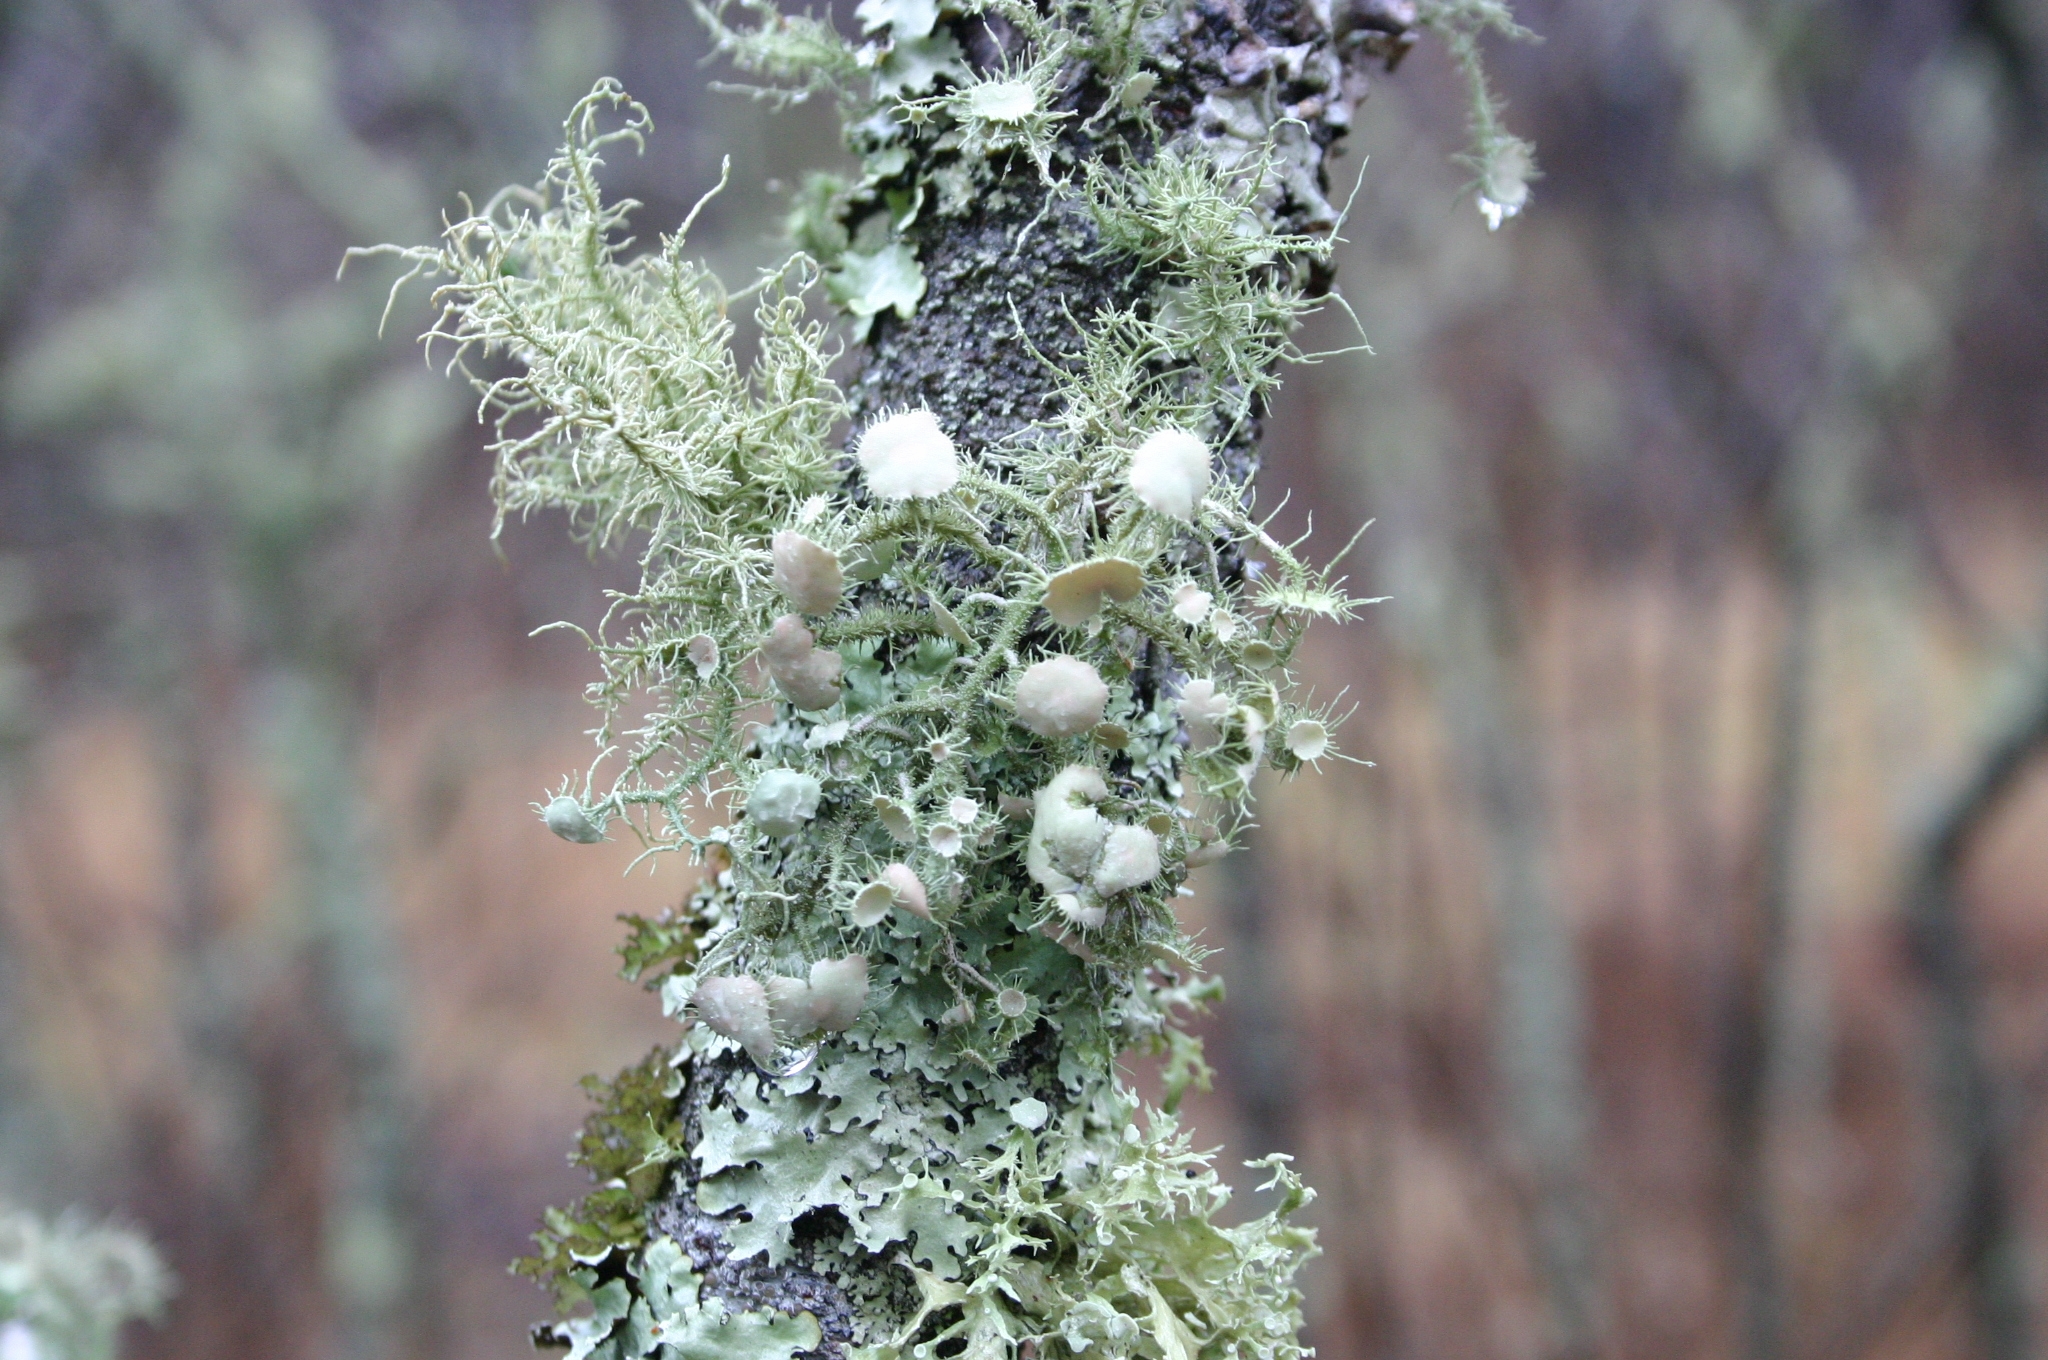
(789, 1060)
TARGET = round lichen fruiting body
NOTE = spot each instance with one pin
(906, 456)
(1170, 473)
(807, 675)
(872, 905)
(1203, 708)
(896, 820)
(1062, 696)
(1001, 101)
(1084, 910)
(567, 819)
(737, 1007)
(908, 890)
(808, 574)
(782, 801)
(1076, 595)
(1308, 739)
(1130, 859)
(839, 990)
(1067, 833)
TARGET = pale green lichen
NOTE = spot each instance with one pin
(945, 823)
(627, 409)
(656, 1307)
(67, 1286)
(1503, 164)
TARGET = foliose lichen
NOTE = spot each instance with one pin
(948, 676)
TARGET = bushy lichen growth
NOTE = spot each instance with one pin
(67, 1286)
(949, 726)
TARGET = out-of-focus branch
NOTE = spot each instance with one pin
(1758, 1009)
(1757, 1035)
(1987, 1225)
(1974, 1214)
(377, 1264)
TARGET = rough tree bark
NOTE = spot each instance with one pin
(1015, 268)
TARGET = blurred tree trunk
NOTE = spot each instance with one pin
(1453, 613)
(381, 1278)
(211, 1147)
(35, 178)
(1261, 1034)
(1764, 1014)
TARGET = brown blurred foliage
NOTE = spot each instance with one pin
(1671, 983)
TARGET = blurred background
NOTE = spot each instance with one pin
(1673, 983)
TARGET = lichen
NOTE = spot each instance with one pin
(627, 1144)
(949, 679)
(67, 1286)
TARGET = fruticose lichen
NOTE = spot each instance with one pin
(948, 677)
(67, 1286)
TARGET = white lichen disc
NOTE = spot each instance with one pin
(1308, 740)
(1170, 473)
(872, 904)
(1062, 696)
(1076, 595)
(1191, 602)
(906, 456)
(1001, 101)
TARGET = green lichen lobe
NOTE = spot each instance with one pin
(628, 1145)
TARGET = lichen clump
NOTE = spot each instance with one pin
(948, 726)
(66, 1287)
